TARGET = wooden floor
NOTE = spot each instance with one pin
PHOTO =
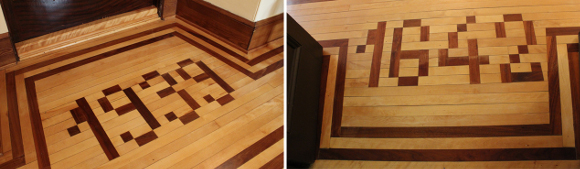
(451, 80)
(163, 95)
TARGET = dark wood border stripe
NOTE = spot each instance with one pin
(78, 115)
(408, 81)
(36, 121)
(396, 52)
(215, 77)
(500, 30)
(253, 150)
(340, 82)
(169, 79)
(146, 138)
(276, 163)
(98, 130)
(574, 62)
(377, 55)
(554, 85)
(266, 56)
(141, 108)
(188, 99)
(474, 74)
(446, 132)
(451, 155)
(530, 33)
(14, 120)
(453, 40)
(424, 33)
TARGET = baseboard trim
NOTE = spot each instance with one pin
(7, 55)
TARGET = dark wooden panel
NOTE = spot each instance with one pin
(442, 132)
(266, 56)
(267, 30)
(451, 155)
(377, 55)
(514, 58)
(14, 119)
(98, 130)
(169, 8)
(33, 18)
(229, 27)
(201, 77)
(141, 108)
(7, 55)
(151, 75)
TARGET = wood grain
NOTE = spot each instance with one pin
(377, 55)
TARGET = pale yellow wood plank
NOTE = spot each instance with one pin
(473, 109)
(446, 120)
(448, 143)
(565, 96)
(448, 89)
(448, 99)
(328, 102)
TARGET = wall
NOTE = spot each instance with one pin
(253, 10)
(3, 27)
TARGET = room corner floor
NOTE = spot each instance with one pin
(163, 95)
(433, 82)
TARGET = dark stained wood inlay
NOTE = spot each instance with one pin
(78, 115)
(377, 55)
(500, 30)
(35, 119)
(166, 92)
(515, 58)
(215, 77)
(560, 31)
(474, 74)
(98, 130)
(572, 47)
(523, 49)
(530, 33)
(14, 123)
(74, 130)
(146, 138)
(189, 117)
(112, 90)
(340, 82)
(484, 60)
(512, 17)
(201, 77)
(225, 99)
(506, 73)
(169, 79)
(361, 48)
(170, 116)
(462, 28)
(554, 85)
(266, 56)
(445, 132)
(126, 137)
(412, 23)
(105, 104)
(450, 155)
(453, 40)
(424, 33)
(253, 150)
(527, 77)
(396, 52)
(141, 108)
(151, 75)
(188, 99)
(208, 98)
(183, 74)
(144, 85)
(573, 62)
(457, 61)
(125, 109)
(372, 34)
(470, 19)
(443, 55)
(185, 62)
(408, 81)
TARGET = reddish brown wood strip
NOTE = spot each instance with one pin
(453, 41)
(396, 52)
(208, 98)
(412, 23)
(74, 130)
(536, 66)
(458, 61)
(377, 55)
(424, 33)
(112, 90)
(253, 150)
(170, 116)
(146, 138)
(530, 33)
(183, 74)
(462, 28)
(413, 54)
(126, 137)
(554, 86)
(340, 82)
(372, 34)
(276, 163)
(141, 108)
(506, 73)
(408, 81)
(484, 60)
(105, 104)
(474, 75)
(573, 62)
(125, 109)
(424, 64)
(201, 77)
(451, 155)
(215, 77)
(523, 49)
(470, 19)
(14, 123)
(169, 79)
(211, 42)
(188, 99)
(185, 62)
(445, 132)
(225, 99)
(150, 75)
(443, 55)
(78, 115)
(500, 30)
(189, 117)
(361, 48)
(515, 58)
(14, 163)
(512, 17)
(98, 130)
(561, 31)
(144, 85)
(37, 129)
(266, 56)
(573, 47)
(166, 92)
(527, 77)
